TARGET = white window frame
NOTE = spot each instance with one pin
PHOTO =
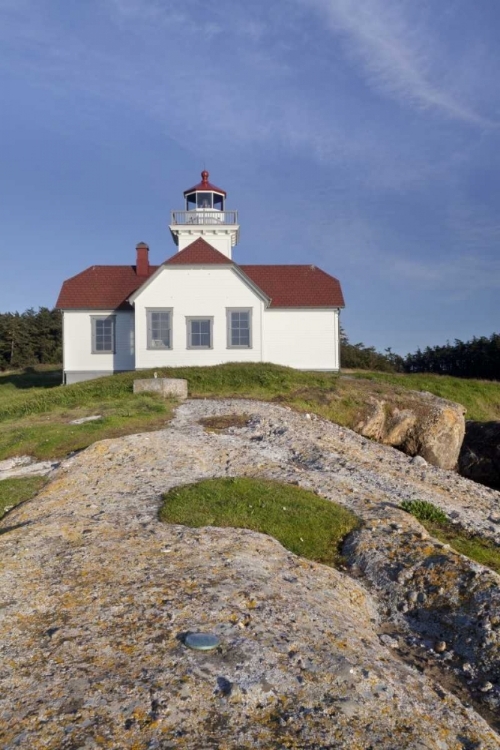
(149, 311)
(229, 311)
(94, 319)
(192, 318)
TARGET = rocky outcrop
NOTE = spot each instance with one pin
(417, 423)
(98, 596)
(25, 466)
(480, 455)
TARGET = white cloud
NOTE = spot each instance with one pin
(228, 76)
(398, 52)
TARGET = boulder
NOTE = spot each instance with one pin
(417, 423)
(480, 455)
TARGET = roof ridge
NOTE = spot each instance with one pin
(199, 245)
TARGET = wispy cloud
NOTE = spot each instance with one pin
(231, 77)
(394, 43)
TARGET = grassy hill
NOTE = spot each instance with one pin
(36, 411)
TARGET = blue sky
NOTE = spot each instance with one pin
(362, 136)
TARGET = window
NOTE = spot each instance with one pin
(204, 200)
(159, 329)
(103, 334)
(218, 202)
(239, 329)
(199, 333)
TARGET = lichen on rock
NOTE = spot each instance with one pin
(98, 595)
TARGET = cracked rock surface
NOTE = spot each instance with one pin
(97, 595)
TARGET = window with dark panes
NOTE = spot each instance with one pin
(200, 333)
(239, 328)
(103, 334)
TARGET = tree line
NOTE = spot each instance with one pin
(478, 358)
(30, 338)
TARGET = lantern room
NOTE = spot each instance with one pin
(205, 196)
(205, 215)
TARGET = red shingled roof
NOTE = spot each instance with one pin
(296, 286)
(109, 287)
(205, 185)
(101, 288)
(199, 252)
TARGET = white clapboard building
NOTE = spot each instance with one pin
(199, 307)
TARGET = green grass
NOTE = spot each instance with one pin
(50, 434)
(424, 511)
(35, 420)
(303, 522)
(437, 523)
(35, 410)
(15, 491)
(481, 398)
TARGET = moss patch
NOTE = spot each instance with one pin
(437, 523)
(304, 523)
(15, 491)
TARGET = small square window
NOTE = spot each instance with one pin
(239, 329)
(199, 333)
(159, 329)
(103, 334)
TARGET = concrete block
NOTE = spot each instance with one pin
(166, 387)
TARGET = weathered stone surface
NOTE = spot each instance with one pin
(26, 467)
(83, 420)
(98, 594)
(480, 454)
(418, 424)
(14, 463)
(166, 387)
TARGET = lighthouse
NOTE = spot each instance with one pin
(205, 215)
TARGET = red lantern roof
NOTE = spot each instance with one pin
(205, 185)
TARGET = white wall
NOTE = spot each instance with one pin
(201, 291)
(77, 355)
(302, 338)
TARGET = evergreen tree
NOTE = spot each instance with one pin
(478, 358)
(30, 338)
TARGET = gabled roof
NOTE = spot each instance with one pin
(110, 287)
(197, 253)
(101, 288)
(296, 286)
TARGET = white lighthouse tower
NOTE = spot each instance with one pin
(205, 216)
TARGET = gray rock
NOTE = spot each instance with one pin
(16, 462)
(41, 469)
(301, 661)
(82, 420)
(418, 424)
(418, 461)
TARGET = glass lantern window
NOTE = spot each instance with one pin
(204, 200)
(218, 202)
(191, 201)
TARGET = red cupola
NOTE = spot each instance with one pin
(205, 195)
